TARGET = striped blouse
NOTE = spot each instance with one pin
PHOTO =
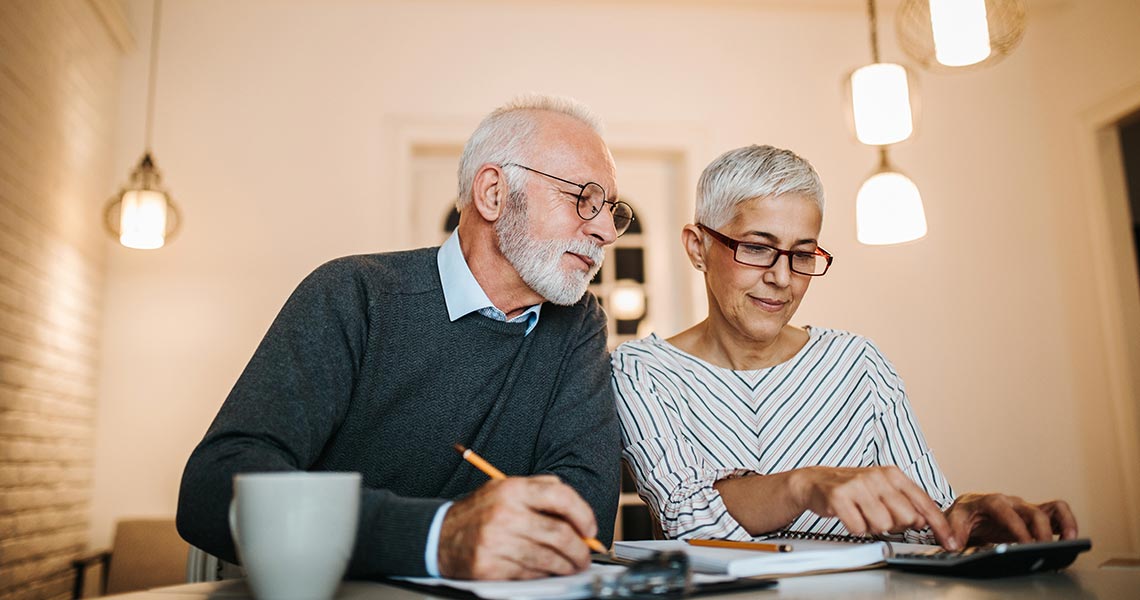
(687, 423)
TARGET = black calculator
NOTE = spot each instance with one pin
(991, 560)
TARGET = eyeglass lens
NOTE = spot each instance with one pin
(591, 201)
(758, 255)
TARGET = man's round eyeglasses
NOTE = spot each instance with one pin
(762, 255)
(591, 199)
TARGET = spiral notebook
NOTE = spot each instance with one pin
(988, 560)
(807, 555)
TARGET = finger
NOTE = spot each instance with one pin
(556, 498)
(558, 537)
(545, 560)
(876, 514)
(904, 515)
(1003, 515)
(1062, 518)
(516, 570)
(927, 511)
(849, 515)
(1037, 521)
(902, 505)
(961, 522)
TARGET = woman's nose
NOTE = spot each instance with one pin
(779, 274)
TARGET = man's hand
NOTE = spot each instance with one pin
(517, 528)
(995, 518)
(871, 500)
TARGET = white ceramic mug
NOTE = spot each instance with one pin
(295, 531)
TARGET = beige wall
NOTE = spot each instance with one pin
(284, 130)
(59, 63)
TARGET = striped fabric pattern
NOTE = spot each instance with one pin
(687, 423)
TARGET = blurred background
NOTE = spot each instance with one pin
(290, 132)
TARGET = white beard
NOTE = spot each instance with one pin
(539, 262)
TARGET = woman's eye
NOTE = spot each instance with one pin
(754, 250)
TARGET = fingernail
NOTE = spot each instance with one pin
(951, 544)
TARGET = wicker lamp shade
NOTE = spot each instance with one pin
(1005, 20)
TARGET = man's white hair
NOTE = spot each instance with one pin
(503, 137)
(752, 172)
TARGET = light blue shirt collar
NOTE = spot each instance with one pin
(463, 294)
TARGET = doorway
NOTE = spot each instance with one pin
(1129, 132)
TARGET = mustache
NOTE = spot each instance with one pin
(593, 251)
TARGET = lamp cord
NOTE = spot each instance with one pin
(874, 22)
(152, 78)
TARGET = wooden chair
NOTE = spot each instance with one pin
(146, 553)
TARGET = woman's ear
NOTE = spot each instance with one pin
(694, 246)
(490, 192)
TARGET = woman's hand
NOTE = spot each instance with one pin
(871, 500)
(865, 499)
(995, 518)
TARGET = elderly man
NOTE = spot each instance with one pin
(380, 363)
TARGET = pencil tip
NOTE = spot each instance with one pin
(460, 448)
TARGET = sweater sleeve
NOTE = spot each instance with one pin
(899, 440)
(579, 439)
(279, 416)
(672, 477)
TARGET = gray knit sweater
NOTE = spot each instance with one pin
(363, 371)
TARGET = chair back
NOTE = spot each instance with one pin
(146, 553)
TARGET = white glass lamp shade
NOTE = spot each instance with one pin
(961, 33)
(880, 101)
(888, 210)
(627, 301)
(142, 219)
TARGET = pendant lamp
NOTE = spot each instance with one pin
(142, 215)
(948, 35)
(880, 96)
(888, 207)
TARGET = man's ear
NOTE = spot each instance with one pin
(694, 246)
(490, 192)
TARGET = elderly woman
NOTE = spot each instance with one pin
(744, 425)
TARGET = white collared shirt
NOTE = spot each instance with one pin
(463, 294)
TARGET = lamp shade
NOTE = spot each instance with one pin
(888, 210)
(956, 35)
(961, 34)
(880, 102)
(142, 215)
(627, 300)
(142, 219)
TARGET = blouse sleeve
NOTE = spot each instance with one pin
(899, 441)
(672, 477)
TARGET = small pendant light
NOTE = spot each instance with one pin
(142, 215)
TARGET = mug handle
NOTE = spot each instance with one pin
(233, 521)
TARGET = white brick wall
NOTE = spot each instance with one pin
(58, 86)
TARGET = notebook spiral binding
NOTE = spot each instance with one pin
(825, 537)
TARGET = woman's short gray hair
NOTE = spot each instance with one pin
(502, 137)
(752, 172)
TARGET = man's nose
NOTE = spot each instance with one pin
(602, 228)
